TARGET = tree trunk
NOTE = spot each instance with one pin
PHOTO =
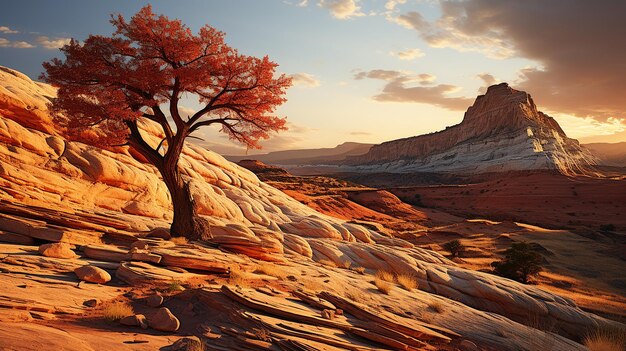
(186, 221)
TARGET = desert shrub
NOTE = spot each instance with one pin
(521, 262)
(407, 281)
(116, 311)
(175, 286)
(383, 286)
(385, 276)
(606, 340)
(354, 294)
(454, 247)
(607, 227)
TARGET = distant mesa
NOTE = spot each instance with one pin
(501, 131)
(309, 156)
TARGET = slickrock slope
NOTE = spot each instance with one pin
(502, 131)
(106, 204)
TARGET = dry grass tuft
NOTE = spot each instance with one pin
(383, 286)
(407, 281)
(354, 294)
(606, 340)
(384, 275)
(327, 263)
(179, 240)
(270, 269)
(436, 306)
(117, 310)
(359, 269)
(237, 277)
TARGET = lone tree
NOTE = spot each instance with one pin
(521, 261)
(107, 84)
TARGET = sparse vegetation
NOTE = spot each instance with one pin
(454, 247)
(175, 286)
(407, 281)
(383, 286)
(606, 340)
(116, 311)
(385, 276)
(521, 262)
(354, 294)
(270, 269)
(237, 277)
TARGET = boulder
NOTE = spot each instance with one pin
(92, 274)
(57, 250)
(91, 303)
(137, 320)
(164, 320)
(154, 300)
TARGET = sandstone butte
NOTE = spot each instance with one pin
(104, 201)
(502, 131)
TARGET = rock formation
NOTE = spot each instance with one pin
(104, 201)
(501, 131)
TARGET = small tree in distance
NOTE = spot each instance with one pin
(521, 261)
(107, 84)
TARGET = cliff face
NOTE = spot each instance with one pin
(501, 131)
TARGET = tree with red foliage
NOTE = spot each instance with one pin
(106, 85)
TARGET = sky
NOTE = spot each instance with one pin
(377, 70)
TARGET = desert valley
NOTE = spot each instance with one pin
(499, 232)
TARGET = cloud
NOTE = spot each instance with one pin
(52, 44)
(399, 88)
(580, 66)
(390, 5)
(342, 9)
(488, 81)
(577, 127)
(305, 80)
(357, 133)
(410, 54)
(4, 43)
(7, 30)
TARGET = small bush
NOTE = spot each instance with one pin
(354, 294)
(116, 311)
(175, 286)
(606, 340)
(385, 276)
(383, 286)
(407, 281)
(521, 262)
(454, 247)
